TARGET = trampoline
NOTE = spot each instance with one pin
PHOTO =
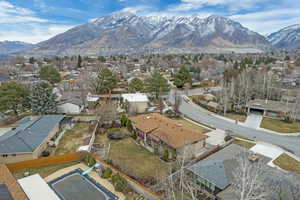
(75, 186)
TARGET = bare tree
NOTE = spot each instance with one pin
(106, 113)
(177, 102)
(249, 179)
(284, 186)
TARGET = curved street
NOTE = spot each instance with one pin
(289, 143)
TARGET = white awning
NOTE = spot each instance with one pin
(36, 188)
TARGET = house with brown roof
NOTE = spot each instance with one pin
(158, 134)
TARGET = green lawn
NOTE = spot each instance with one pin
(44, 171)
(188, 124)
(280, 126)
(243, 143)
(288, 163)
(134, 159)
(74, 138)
(235, 116)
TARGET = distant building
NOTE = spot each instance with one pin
(30, 139)
(270, 108)
(138, 103)
(72, 103)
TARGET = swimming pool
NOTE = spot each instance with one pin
(75, 186)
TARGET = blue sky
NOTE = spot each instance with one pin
(37, 20)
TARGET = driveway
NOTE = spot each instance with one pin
(216, 137)
(253, 120)
(289, 143)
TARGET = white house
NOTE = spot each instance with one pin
(71, 103)
(70, 108)
(138, 102)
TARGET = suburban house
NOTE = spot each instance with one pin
(137, 103)
(158, 134)
(30, 138)
(9, 187)
(213, 106)
(72, 103)
(216, 172)
(272, 108)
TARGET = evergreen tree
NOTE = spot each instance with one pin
(31, 60)
(136, 85)
(156, 84)
(50, 73)
(106, 80)
(43, 100)
(14, 96)
(79, 62)
(182, 77)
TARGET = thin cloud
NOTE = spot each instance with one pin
(33, 33)
(269, 21)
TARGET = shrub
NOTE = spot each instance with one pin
(124, 120)
(166, 155)
(119, 183)
(129, 126)
(174, 154)
(134, 136)
(89, 160)
(227, 138)
(107, 173)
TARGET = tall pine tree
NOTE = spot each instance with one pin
(43, 100)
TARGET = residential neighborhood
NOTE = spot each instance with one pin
(149, 100)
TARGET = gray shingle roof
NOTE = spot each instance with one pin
(213, 171)
(28, 135)
(4, 193)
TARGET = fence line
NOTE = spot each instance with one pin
(45, 161)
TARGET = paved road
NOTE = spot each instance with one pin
(288, 143)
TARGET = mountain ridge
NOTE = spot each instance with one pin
(10, 47)
(126, 33)
(286, 38)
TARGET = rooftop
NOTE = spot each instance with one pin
(35, 187)
(9, 186)
(169, 131)
(28, 135)
(135, 97)
(270, 105)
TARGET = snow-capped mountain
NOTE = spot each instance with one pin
(129, 33)
(8, 47)
(286, 38)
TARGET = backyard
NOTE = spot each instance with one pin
(43, 171)
(287, 163)
(74, 138)
(280, 126)
(134, 159)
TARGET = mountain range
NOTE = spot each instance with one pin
(127, 33)
(286, 38)
(9, 47)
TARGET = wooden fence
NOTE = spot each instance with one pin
(51, 160)
(65, 158)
